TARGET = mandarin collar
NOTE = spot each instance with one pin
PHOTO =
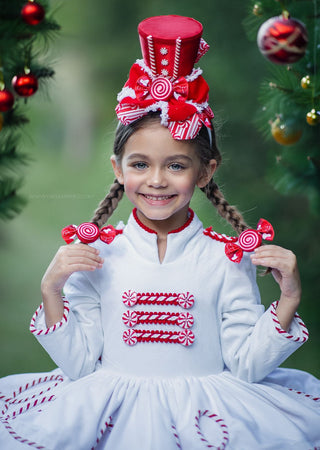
(144, 239)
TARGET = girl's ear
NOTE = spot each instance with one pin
(117, 169)
(207, 173)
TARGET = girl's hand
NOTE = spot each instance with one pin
(284, 268)
(68, 259)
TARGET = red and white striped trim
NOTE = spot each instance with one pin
(222, 425)
(132, 298)
(54, 327)
(133, 318)
(132, 337)
(26, 403)
(219, 237)
(176, 436)
(284, 333)
(107, 427)
(20, 439)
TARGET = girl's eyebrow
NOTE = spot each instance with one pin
(179, 157)
(176, 157)
(137, 156)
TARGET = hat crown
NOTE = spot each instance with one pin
(170, 44)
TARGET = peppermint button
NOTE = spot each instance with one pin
(129, 298)
(186, 338)
(249, 240)
(130, 337)
(88, 232)
(186, 301)
(161, 89)
(185, 320)
(130, 318)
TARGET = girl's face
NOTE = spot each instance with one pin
(159, 175)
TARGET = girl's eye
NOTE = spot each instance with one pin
(140, 165)
(176, 166)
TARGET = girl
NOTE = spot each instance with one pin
(162, 279)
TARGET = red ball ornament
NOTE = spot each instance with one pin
(25, 85)
(32, 13)
(282, 40)
(6, 100)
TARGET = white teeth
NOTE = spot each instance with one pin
(162, 197)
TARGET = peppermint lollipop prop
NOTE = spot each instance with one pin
(89, 232)
(249, 240)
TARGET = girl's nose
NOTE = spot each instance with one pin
(157, 178)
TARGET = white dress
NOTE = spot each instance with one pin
(164, 356)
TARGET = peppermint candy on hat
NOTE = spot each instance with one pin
(165, 80)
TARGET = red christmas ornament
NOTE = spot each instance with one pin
(25, 85)
(282, 40)
(6, 100)
(32, 13)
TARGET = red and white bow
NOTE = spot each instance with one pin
(89, 232)
(249, 240)
(183, 102)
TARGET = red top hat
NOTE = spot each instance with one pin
(165, 79)
(170, 44)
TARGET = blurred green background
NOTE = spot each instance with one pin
(70, 137)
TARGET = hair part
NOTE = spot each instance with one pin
(206, 149)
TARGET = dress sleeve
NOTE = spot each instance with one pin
(253, 343)
(76, 342)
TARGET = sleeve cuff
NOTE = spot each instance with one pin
(297, 332)
(38, 326)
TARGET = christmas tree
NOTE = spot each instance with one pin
(25, 33)
(287, 34)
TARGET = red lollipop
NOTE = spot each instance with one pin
(249, 240)
(161, 89)
(88, 232)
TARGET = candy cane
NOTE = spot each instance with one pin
(218, 421)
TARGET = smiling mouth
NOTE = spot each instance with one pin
(157, 197)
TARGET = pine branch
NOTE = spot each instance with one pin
(22, 46)
(11, 203)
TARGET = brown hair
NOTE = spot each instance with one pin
(206, 148)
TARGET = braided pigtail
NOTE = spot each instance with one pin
(207, 149)
(108, 205)
(228, 212)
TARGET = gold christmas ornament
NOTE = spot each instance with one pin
(257, 9)
(313, 117)
(286, 131)
(305, 82)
